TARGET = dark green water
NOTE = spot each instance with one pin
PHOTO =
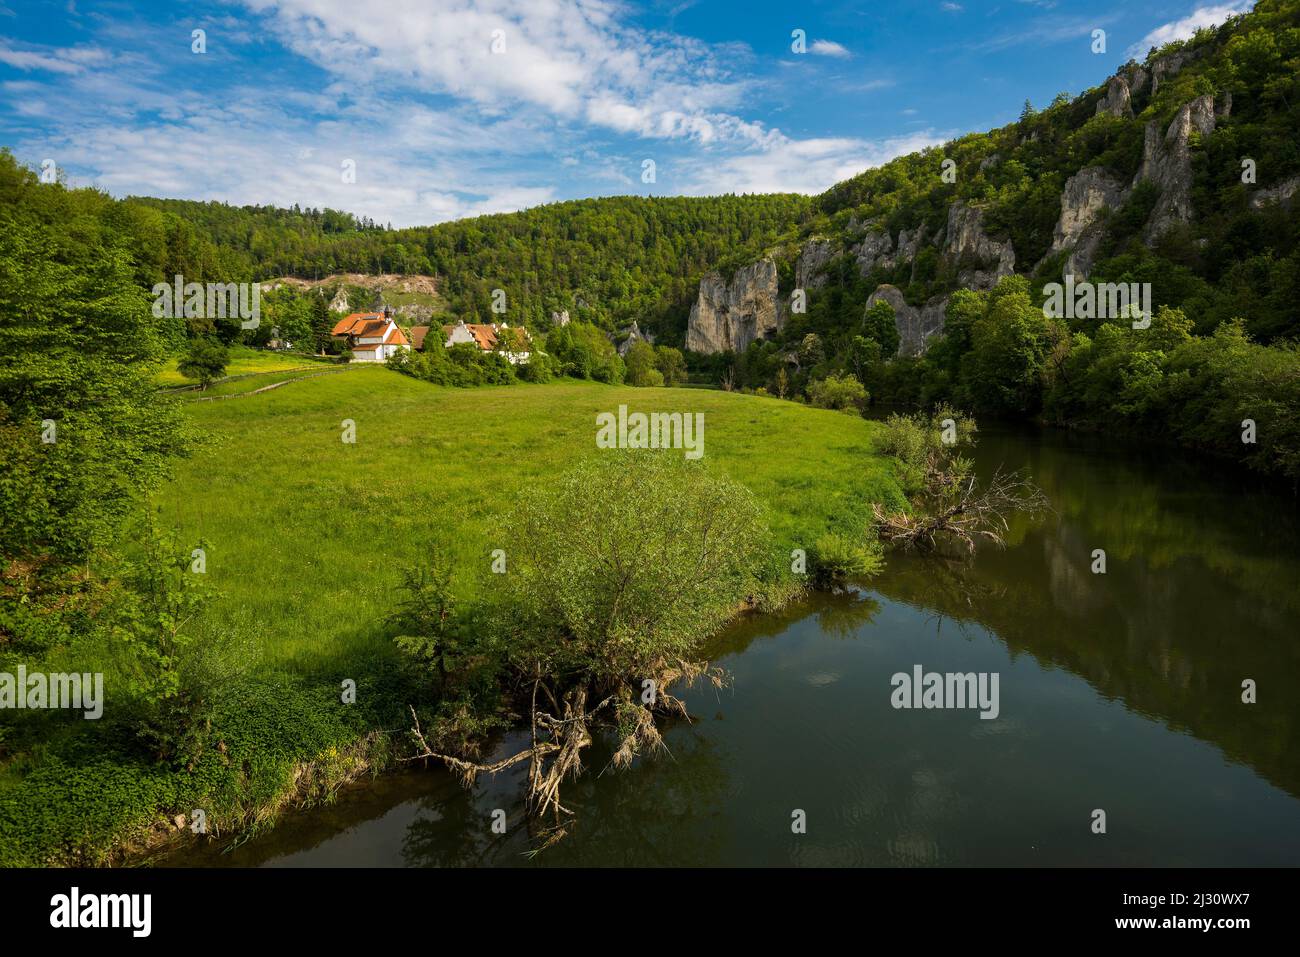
(1119, 692)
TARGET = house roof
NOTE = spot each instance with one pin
(417, 336)
(347, 326)
(485, 337)
(370, 325)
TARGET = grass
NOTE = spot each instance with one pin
(243, 361)
(306, 539)
(307, 535)
(244, 385)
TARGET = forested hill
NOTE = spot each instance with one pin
(1182, 165)
(608, 261)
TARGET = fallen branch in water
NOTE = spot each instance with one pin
(962, 511)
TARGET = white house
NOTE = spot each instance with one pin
(372, 336)
(488, 338)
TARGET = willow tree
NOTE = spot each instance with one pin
(616, 574)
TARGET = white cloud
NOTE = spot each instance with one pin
(950, 7)
(801, 166)
(1188, 25)
(830, 48)
(68, 61)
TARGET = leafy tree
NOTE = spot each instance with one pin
(204, 360)
(671, 365)
(843, 393)
(640, 361)
(879, 324)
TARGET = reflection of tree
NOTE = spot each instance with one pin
(845, 612)
(658, 812)
(663, 811)
(1195, 598)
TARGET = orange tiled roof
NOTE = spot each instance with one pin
(417, 336)
(345, 326)
(485, 337)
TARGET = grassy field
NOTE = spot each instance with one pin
(308, 535)
(306, 540)
(242, 362)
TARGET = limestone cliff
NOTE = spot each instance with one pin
(814, 256)
(1167, 162)
(982, 260)
(729, 316)
(1087, 194)
(1280, 194)
(1118, 100)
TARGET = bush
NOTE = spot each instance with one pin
(630, 559)
(842, 393)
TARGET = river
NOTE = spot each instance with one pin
(1119, 692)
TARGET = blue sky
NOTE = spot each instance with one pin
(576, 97)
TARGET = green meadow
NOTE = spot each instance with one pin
(307, 535)
(243, 361)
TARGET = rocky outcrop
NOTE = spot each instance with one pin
(414, 312)
(633, 335)
(1167, 162)
(915, 325)
(909, 244)
(560, 318)
(1079, 227)
(1118, 100)
(729, 316)
(1280, 194)
(1136, 76)
(340, 301)
(814, 256)
(876, 248)
(982, 261)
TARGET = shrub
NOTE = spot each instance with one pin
(842, 393)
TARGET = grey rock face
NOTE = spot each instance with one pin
(729, 316)
(812, 260)
(1167, 162)
(985, 260)
(1137, 78)
(1117, 101)
(909, 244)
(875, 249)
(560, 318)
(340, 301)
(634, 335)
(915, 325)
(1281, 194)
(1087, 193)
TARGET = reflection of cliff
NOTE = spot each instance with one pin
(1199, 593)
